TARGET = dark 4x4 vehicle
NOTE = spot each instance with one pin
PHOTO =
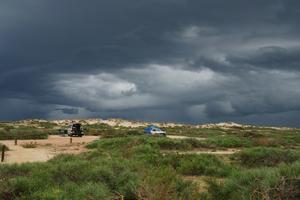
(75, 130)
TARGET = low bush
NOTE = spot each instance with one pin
(69, 177)
(219, 142)
(47, 125)
(74, 192)
(164, 183)
(125, 143)
(107, 131)
(74, 177)
(264, 183)
(6, 135)
(193, 131)
(29, 145)
(170, 144)
(201, 164)
(114, 133)
(267, 142)
(15, 170)
(23, 133)
(228, 141)
(132, 167)
(194, 143)
(5, 147)
(124, 164)
(265, 157)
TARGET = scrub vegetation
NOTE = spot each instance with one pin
(5, 147)
(125, 164)
(29, 145)
(10, 132)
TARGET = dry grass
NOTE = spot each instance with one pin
(29, 145)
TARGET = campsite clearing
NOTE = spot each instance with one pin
(192, 162)
(44, 149)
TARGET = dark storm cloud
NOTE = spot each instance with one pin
(179, 60)
(69, 110)
(273, 57)
(74, 33)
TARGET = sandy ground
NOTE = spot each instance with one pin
(45, 149)
(202, 151)
(183, 137)
(200, 181)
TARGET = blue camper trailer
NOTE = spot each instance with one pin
(154, 130)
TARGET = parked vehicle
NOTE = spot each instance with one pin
(75, 130)
(154, 130)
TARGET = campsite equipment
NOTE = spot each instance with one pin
(154, 130)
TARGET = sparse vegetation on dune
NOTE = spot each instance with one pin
(125, 163)
(282, 182)
(265, 157)
(197, 165)
(100, 174)
(22, 132)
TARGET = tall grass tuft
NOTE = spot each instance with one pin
(262, 156)
(265, 183)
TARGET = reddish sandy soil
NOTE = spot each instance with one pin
(183, 137)
(200, 151)
(204, 151)
(45, 149)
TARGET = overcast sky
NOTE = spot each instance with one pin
(193, 61)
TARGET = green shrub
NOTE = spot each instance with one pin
(104, 173)
(6, 135)
(164, 183)
(264, 183)
(170, 144)
(93, 191)
(110, 144)
(267, 142)
(107, 131)
(193, 131)
(228, 142)
(194, 143)
(89, 190)
(5, 147)
(69, 177)
(114, 133)
(218, 142)
(23, 133)
(10, 171)
(262, 156)
(15, 188)
(134, 167)
(47, 125)
(126, 143)
(201, 164)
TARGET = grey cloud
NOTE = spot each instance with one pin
(173, 60)
(69, 110)
(273, 57)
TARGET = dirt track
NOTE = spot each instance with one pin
(45, 149)
(180, 137)
(201, 151)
